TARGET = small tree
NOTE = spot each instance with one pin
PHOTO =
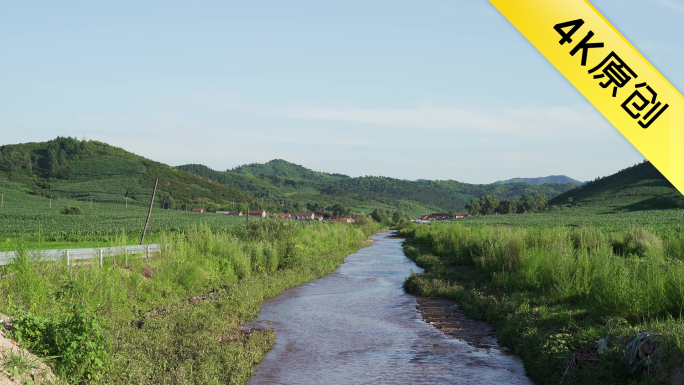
(508, 206)
(541, 201)
(380, 215)
(72, 210)
(338, 209)
(452, 214)
(473, 207)
(527, 203)
(489, 203)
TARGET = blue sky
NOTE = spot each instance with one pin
(407, 89)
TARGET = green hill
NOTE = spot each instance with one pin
(85, 170)
(641, 187)
(561, 179)
(291, 184)
(282, 168)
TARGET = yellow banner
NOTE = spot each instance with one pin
(609, 72)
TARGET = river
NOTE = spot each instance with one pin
(357, 326)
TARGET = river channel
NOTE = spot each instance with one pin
(357, 326)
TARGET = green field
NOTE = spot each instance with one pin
(657, 221)
(29, 218)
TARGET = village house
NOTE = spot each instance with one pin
(197, 210)
(257, 213)
(306, 216)
(443, 216)
(318, 217)
(345, 220)
(238, 213)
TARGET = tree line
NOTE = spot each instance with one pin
(490, 204)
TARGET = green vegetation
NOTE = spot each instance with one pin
(554, 292)
(28, 218)
(72, 210)
(90, 170)
(174, 318)
(281, 168)
(641, 187)
(296, 187)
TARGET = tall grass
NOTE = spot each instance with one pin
(553, 293)
(175, 318)
(631, 274)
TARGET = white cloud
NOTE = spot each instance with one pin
(518, 121)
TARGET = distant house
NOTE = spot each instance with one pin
(197, 210)
(318, 217)
(238, 213)
(288, 216)
(443, 216)
(257, 213)
(345, 220)
(307, 216)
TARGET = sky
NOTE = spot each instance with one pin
(405, 89)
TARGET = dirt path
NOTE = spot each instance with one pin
(448, 317)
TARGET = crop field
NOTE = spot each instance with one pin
(656, 221)
(29, 218)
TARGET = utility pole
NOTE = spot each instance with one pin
(154, 192)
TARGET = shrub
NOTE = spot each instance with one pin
(76, 342)
(72, 210)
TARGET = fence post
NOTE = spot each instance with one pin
(126, 254)
(67, 257)
(148, 251)
(101, 253)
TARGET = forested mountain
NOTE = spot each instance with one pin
(641, 187)
(362, 193)
(85, 170)
(70, 168)
(561, 179)
(279, 167)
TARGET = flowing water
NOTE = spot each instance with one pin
(357, 326)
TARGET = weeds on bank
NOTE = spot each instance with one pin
(173, 318)
(554, 293)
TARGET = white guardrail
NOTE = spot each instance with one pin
(69, 255)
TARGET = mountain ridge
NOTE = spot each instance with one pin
(562, 179)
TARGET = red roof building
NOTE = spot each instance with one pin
(197, 210)
(257, 213)
(308, 216)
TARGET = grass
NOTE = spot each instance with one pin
(553, 293)
(176, 318)
(17, 364)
